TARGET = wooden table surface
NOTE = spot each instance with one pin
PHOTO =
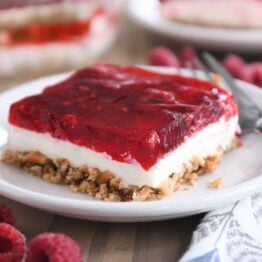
(154, 241)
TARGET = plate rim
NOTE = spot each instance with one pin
(122, 210)
(217, 38)
(125, 209)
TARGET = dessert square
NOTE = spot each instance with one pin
(54, 35)
(231, 14)
(122, 133)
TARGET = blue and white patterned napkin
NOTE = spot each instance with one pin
(229, 234)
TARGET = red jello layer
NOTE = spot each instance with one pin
(129, 113)
(48, 33)
(51, 32)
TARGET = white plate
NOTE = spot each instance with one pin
(146, 13)
(241, 170)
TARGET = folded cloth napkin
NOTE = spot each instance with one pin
(232, 233)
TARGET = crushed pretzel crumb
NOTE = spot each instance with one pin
(104, 185)
(216, 183)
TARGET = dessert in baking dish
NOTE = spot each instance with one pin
(47, 35)
(218, 13)
(122, 133)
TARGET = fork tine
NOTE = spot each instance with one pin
(217, 67)
(204, 69)
(229, 80)
(247, 110)
(241, 97)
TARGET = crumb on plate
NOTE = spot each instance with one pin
(216, 183)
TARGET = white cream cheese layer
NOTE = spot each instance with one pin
(214, 137)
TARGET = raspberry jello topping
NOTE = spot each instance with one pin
(131, 114)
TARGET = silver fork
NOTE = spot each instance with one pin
(250, 116)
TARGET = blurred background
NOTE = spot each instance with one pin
(42, 37)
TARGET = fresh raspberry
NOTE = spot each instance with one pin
(234, 64)
(187, 56)
(54, 247)
(162, 56)
(12, 244)
(6, 215)
(253, 74)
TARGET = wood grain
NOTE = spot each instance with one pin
(112, 242)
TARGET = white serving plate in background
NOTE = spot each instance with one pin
(146, 13)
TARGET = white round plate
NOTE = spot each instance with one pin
(146, 13)
(240, 169)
